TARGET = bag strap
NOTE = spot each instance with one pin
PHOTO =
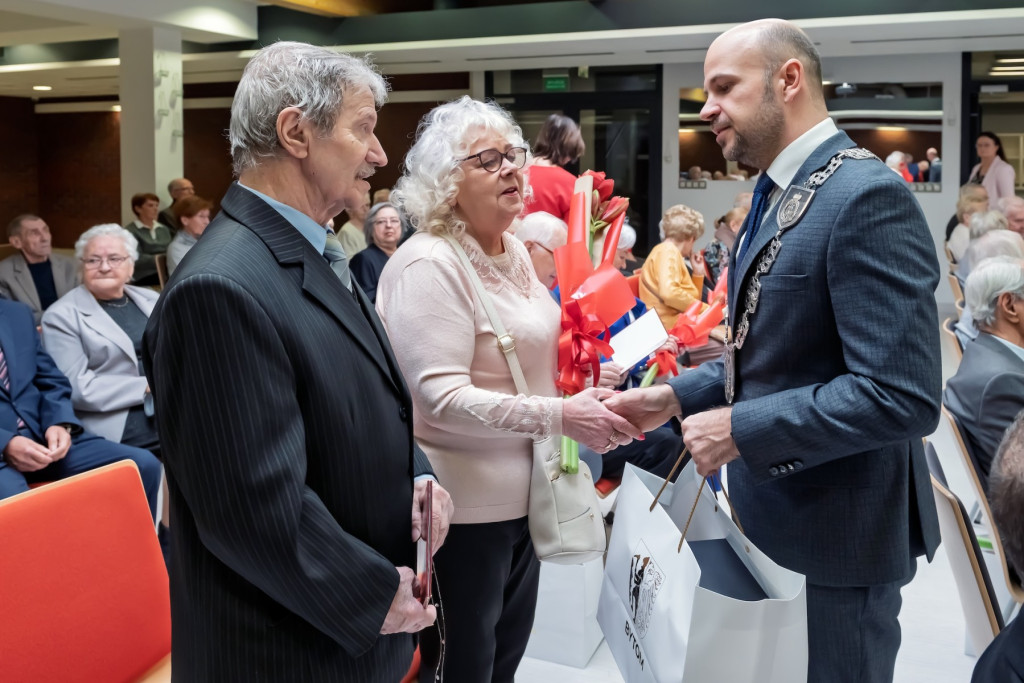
(506, 342)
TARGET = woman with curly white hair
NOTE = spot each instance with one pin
(464, 180)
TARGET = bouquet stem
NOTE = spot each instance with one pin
(570, 456)
(648, 379)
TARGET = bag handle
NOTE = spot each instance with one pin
(506, 342)
(693, 508)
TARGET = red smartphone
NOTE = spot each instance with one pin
(424, 556)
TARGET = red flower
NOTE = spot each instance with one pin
(604, 186)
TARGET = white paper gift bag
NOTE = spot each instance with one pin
(565, 628)
(715, 610)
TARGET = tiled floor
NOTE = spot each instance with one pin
(933, 624)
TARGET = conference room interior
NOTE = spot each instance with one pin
(100, 100)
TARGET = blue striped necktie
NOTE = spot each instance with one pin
(758, 207)
(5, 379)
(335, 255)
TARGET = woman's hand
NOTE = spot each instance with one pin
(612, 375)
(585, 419)
(697, 263)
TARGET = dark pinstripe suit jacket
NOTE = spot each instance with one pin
(286, 431)
(838, 381)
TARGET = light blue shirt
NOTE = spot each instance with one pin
(1013, 347)
(315, 233)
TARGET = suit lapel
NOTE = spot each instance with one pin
(23, 276)
(770, 226)
(102, 324)
(318, 280)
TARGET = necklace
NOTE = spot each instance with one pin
(115, 303)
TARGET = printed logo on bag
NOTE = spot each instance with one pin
(645, 580)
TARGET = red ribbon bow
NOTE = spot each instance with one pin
(579, 345)
(666, 362)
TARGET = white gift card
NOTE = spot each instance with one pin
(641, 338)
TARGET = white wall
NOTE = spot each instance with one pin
(937, 206)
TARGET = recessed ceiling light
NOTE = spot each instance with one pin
(1009, 60)
(687, 130)
(42, 87)
(892, 128)
(116, 107)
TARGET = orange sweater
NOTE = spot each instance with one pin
(666, 285)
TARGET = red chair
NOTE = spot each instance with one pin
(84, 592)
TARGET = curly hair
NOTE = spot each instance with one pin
(429, 184)
(680, 222)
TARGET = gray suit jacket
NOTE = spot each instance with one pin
(838, 381)
(985, 395)
(97, 357)
(16, 281)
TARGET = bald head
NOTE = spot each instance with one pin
(180, 188)
(777, 41)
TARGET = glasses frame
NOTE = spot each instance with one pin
(510, 156)
(100, 259)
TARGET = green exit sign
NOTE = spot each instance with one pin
(556, 83)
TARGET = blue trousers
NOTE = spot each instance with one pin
(87, 452)
(854, 632)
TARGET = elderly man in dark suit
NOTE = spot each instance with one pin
(987, 391)
(179, 188)
(285, 424)
(832, 374)
(42, 439)
(36, 276)
(1003, 660)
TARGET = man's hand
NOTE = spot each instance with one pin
(25, 455)
(646, 409)
(440, 516)
(407, 615)
(58, 439)
(708, 435)
(587, 420)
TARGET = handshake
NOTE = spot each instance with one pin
(603, 420)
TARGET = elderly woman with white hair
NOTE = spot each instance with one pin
(987, 391)
(967, 206)
(94, 333)
(462, 189)
(541, 233)
(383, 227)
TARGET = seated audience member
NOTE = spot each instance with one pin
(179, 189)
(351, 235)
(719, 175)
(987, 390)
(193, 214)
(716, 254)
(897, 161)
(976, 193)
(1013, 209)
(1003, 660)
(966, 207)
(981, 224)
(36, 277)
(541, 233)
(922, 171)
(666, 284)
(380, 196)
(383, 229)
(42, 438)
(94, 334)
(995, 243)
(152, 236)
(695, 173)
(742, 200)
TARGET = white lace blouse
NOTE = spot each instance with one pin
(469, 419)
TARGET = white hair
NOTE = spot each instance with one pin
(895, 160)
(627, 238)
(1009, 204)
(988, 221)
(131, 244)
(546, 230)
(427, 189)
(289, 74)
(990, 279)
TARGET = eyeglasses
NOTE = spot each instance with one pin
(387, 221)
(95, 262)
(490, 159)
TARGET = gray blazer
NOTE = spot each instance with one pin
(985, 395)
(16, 281)
(97, 357)
(837, 382)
